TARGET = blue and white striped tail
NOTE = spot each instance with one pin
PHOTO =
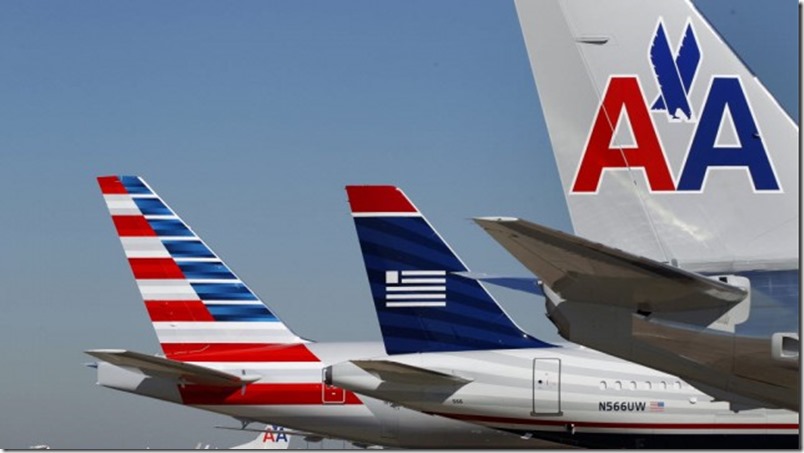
(194, 300)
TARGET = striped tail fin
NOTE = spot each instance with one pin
(196, 303)
(422, 303)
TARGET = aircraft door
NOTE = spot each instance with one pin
(546, 387)
(330, 394)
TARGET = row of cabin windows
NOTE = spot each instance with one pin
(647, 385)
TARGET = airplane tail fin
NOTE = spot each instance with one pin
(423, 303)
(274, 438)
(667, 145)
(195, 302)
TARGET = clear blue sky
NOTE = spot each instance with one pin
(249, 117)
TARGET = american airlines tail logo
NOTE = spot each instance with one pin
(277, 434)
(725, 105)
(415, 289)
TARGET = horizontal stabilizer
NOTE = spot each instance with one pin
(399, 373)
(171, 369)
(524, 284)
(584, 271)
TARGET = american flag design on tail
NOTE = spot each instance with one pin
(415, 288)
(423, 302)
(193, 299)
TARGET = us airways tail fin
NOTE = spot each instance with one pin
(196, 303)
(667, 146)
(423, 304)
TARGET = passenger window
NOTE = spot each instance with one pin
(663, 385)
(603, 385)
(632, 386)
(677, 385)
(618, 385)
(648, 385)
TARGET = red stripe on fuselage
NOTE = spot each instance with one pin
(178, 310)
(261, 394)
(238, 352)
(150, 268)
(488, 419)
(111, 185)
(365, 199)
(132, 225)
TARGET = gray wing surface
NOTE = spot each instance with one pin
(400, 373)
(165, 368)
(584, 271)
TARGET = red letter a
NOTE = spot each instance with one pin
(623, 93)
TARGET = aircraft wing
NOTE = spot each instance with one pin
(584, 271)
(166, 368)
(400, 373)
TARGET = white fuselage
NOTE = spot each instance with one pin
(292, 394)
(574, 395)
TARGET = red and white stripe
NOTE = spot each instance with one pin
(178, 313)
